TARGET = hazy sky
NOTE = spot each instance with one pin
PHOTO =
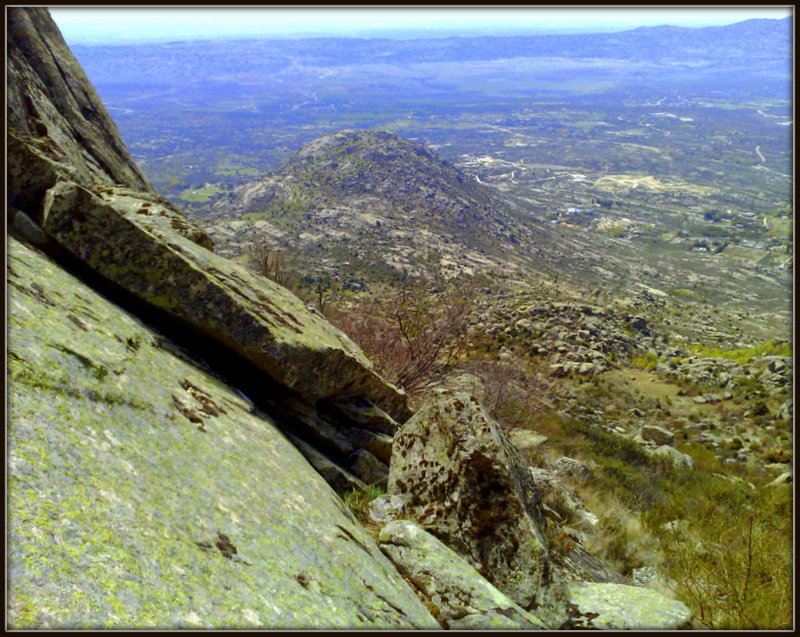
(84, 25)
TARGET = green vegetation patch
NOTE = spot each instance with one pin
(745, 355)
(646, 362)
(200, 195)
(685, 294)
(357, 500)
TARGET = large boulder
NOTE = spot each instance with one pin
(467, 484)
(259, 320)
(460, 597)
(143, 492)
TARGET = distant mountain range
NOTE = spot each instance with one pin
(752, 43)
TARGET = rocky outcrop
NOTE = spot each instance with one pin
(467, 484)
(56, 122)
(460, 597)
(143, 492)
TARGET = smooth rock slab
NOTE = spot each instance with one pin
(142, 492)
(463, 598)
(620, 607)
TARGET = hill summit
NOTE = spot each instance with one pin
(377, 200)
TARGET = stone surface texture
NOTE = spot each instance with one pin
(143, 493)
(462, 598)
(620, 607)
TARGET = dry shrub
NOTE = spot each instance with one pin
(413, 335)
(273, 264)
(736, 570)
(513, 396)
(620, 538)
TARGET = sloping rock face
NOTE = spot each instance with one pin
(253, 316)
(143, 492)
(467, 484)
(56, 122)
(462, 598)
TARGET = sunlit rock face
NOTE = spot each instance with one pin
(56, 122)
(143, 492)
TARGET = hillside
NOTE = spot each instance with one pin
(364, 207)
(372, 202)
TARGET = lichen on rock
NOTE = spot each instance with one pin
(144, 493)
(466, 483)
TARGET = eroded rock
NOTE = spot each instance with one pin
(467, 484)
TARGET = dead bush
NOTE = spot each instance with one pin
(272, 263)
(513, 396)
(414, 335)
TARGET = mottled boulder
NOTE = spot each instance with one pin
(469, 487)
(142, 492)
(658, 435)
(605, 606)
(463, 600)
(252, 316)
(572, 468)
